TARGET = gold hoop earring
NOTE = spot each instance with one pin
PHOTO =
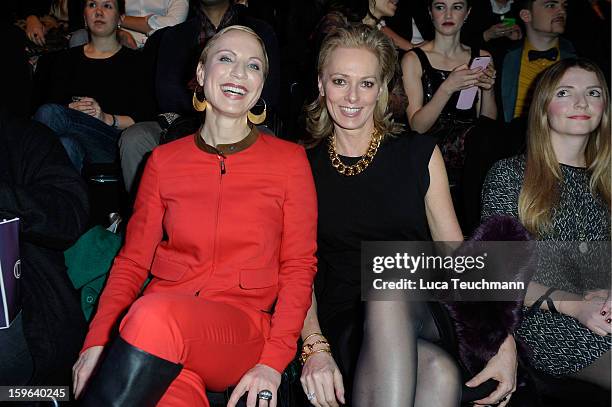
(258, 118)
(198, 105)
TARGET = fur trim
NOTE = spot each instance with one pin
(480, 328)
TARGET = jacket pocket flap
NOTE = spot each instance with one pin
(168, 269)
(258, 278)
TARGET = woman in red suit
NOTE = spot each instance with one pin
(225, 223)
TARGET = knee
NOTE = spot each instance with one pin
(149, 313)
(443, 370)
(138, 140)
(52, 115)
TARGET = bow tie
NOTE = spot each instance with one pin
(550, 54)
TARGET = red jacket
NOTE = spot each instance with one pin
(239, 230)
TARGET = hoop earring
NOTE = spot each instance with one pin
(198, 105)
(258, 118)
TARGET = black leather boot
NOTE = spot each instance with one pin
(129, 377)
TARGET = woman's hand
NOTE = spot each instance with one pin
(461, 78)
(35, 30)
(259, 378)
(321, 378)
(486, 81)
(501, 367)
(606, 309)
(589, 311)
(91, 107)
(126, 39)
(84, 366)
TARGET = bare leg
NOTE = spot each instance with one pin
(391, 351)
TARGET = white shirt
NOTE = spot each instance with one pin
(164, 13)
(417, 37)
(497, 9)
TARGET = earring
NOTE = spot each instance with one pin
(198, 105)
(257, 118)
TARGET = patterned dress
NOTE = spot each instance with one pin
(560, 344)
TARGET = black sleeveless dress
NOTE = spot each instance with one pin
(384, 202)
(452, 126)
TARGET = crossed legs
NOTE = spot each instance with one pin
(397, 366)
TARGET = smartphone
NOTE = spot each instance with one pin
(508, 21)
(467, 96)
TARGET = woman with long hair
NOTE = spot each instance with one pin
(560, 191)
(434, 74)
(225, 223)
(375, 183)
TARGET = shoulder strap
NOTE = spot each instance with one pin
(422, 58)
(475, 52)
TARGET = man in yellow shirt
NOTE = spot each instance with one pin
(544, 23)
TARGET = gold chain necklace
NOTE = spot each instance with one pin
(360, 165)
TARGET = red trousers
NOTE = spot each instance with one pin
(215, 342)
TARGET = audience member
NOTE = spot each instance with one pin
(232, 255)
(560, 190)
(48, 23)
(384, 347)
(144, 17)
(412, 21)
(173, 54)
(433, 75)
(39, 186)
(493, 25)
(93, 92)
(543, 45)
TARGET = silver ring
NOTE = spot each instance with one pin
(264, 395)
(311, 396)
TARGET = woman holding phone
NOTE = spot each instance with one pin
(434, 74)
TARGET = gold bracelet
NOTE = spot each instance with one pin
(313, 334)
(305, 356)
(308, 347)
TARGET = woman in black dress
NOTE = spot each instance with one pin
(434, 73)
(374, 183)
(90, 94)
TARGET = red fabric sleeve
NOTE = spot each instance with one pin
(297, 264)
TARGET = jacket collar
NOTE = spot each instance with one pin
(227, 149)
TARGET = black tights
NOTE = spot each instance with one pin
(597, 372)
(398, 365)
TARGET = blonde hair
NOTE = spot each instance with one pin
(318, 121)
(211, 43)
(540, 191)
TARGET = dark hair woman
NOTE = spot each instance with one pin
(434, 74)
(91, 93)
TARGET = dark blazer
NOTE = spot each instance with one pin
(39, 185)
(173, 52)
(511, 70)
